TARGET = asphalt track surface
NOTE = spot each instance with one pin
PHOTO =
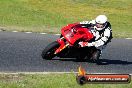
(21, 52)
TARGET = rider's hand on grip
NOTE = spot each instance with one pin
(83, 44)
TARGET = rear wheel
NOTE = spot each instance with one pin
(95, 56)
(48, 52)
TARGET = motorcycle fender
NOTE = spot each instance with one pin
(62, 46)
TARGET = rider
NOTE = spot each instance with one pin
(101, 29)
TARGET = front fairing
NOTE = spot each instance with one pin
(71, 37)
(72, 33)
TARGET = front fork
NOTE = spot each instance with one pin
(63, 45)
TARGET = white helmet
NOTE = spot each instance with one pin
(101, 22)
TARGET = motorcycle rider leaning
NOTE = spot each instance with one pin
(101, 29)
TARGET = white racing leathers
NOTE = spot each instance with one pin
(101, 37)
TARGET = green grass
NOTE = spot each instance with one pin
(49, 81)
(50, 15)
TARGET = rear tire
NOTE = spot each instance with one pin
(48, 52)
(95, 56)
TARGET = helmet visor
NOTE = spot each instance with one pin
(98, 25)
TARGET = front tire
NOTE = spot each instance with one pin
(48, 52)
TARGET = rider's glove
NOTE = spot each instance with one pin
(84, 44)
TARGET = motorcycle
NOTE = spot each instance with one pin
(67, 45)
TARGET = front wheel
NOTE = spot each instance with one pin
(48, 52)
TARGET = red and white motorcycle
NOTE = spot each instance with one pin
(67, 44)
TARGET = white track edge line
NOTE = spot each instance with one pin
(28, 32)
(43, 33)
(128, 38)
(14, 31)
(37, 72)
(57, 34)
(53, 73)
